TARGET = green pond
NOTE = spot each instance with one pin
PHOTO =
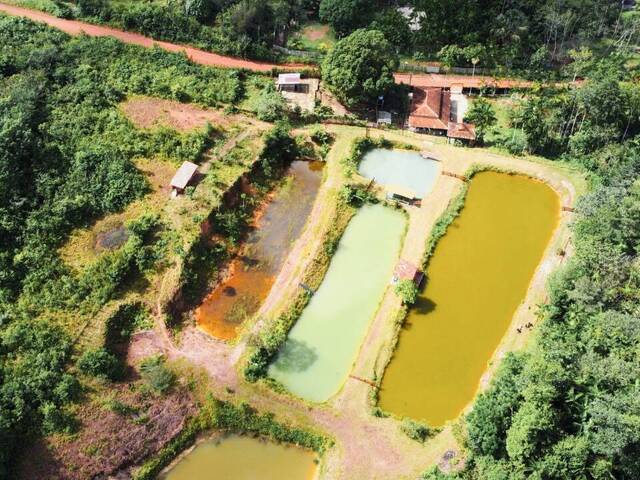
(477, 277)
(317, 357)
(400, 167)
(244, 458)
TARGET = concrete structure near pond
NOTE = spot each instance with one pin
(297, 91)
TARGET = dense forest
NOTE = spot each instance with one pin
(66, 158)
(527, 36)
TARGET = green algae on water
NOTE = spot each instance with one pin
(244, 458)
(322, 346)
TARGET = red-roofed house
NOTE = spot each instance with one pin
(431, 112)
(461, 131)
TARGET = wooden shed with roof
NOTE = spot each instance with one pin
(183, 176)
(407, 271)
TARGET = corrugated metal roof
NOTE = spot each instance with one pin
(184, 174)
(288, 78)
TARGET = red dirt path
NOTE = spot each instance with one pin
(74, 27)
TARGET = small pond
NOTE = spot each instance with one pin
(477, 277)
(265, 250)
(244, 458)
(400, 168)
(322, 346)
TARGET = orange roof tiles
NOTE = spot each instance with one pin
(465, 131)
(430, 108)
(437, 80)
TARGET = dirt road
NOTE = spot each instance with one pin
(74, 27)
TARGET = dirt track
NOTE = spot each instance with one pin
(74, 27)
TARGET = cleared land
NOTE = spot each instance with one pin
(368, 446)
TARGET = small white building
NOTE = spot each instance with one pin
(291, 82)
(182, 177)
(414, 18)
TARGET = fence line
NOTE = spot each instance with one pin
(297, 53)
(417, 67)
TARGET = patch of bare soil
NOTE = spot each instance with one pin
(115, 433)
(146, 112)
(316, 33)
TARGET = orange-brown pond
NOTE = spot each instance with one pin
(477, 277)
(253, 272)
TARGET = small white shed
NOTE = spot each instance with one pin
(183, 176)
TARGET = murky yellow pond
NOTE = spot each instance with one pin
(477, 277)
(244, 458)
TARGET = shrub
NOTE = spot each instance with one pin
(270, 105)
(407, 291)
(416, 431)
(356, 195)
(320, 136)
(156, 374)
(244, 418)
(100, 363)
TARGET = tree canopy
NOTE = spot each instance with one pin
(360, 67)
(345, 16)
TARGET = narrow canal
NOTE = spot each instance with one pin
(244, 458)
(254, 271)
(477, 277)
(323, 344)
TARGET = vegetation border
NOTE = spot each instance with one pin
(240, 419)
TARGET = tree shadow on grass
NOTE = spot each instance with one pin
(295, 356)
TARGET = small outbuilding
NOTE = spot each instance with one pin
(384, 117)
(291, 82)
(182, 177)
(402, 194)
(407, 271)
